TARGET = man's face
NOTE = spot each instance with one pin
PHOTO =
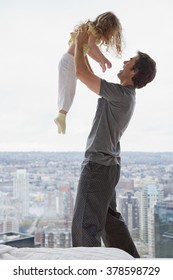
(126, 74)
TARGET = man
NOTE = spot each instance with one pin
(95, 213)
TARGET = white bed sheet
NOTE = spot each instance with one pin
(77, 253)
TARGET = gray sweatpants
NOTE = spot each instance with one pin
(95, 213)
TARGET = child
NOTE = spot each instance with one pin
(104, 30)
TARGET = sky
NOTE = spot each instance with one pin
(34, 35)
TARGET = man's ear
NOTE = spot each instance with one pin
(133, 72)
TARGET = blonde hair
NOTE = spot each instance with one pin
(107, 28)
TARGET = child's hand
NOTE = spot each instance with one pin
(105, 64)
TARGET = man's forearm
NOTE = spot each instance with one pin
(83, 72)
(80, 62)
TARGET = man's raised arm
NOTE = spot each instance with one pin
(83, 73)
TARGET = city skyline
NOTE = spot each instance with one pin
(32, 42)
(38, 191)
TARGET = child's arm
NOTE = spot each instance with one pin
(95, 53)
(88, 64)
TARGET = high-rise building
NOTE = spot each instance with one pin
(129, 208)
(21, 190)
(148, 197)
(8, 214)
(65, 201)
(50, 210)
(151, 233)
(163, 214)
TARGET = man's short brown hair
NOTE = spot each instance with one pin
(145, 68)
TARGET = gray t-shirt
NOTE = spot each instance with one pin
(114, 111)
